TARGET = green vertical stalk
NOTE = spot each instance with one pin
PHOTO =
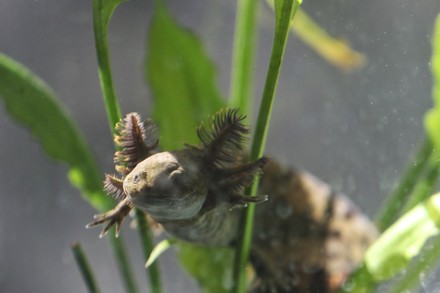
(432, 126)
(123, 264)
(84, 267)
(424, 187)
(243, 55)
(284, 12)
(287, 11)
(102, 12)
(147, 244)
(395, 202)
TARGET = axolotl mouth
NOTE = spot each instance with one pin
(165, 185)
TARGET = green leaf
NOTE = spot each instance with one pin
(400, 243)
(102, 12)
(182, 79)
(30, 101)
(335, 51)
(432, 117)
(427, 261)
(157, 251)
(212, 267)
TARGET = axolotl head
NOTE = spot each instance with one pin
(167, 185)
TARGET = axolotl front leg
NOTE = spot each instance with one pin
(113, 216)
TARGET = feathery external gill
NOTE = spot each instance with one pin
(223, 138)
(113, 187)
(222, 155)
(136, 140)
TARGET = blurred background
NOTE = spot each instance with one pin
(355, 130)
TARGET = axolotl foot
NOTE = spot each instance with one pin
(113, 216)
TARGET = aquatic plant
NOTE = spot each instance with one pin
(19, 88)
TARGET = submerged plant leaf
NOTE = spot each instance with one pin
(403, 240)
(211, 267)
(30, 101)
(182, 80)
(432, 117)
(157, 251)
(335, 51)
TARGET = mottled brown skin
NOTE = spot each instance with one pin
(306, 238)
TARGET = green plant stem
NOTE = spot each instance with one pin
(84, 267)
(425, 262)
(393, 205)
(424, 187)
(102, 12)
(123, 264)
(286, 12)
(147, 244)
(101, 19)
(279, 44)
(243, 55)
